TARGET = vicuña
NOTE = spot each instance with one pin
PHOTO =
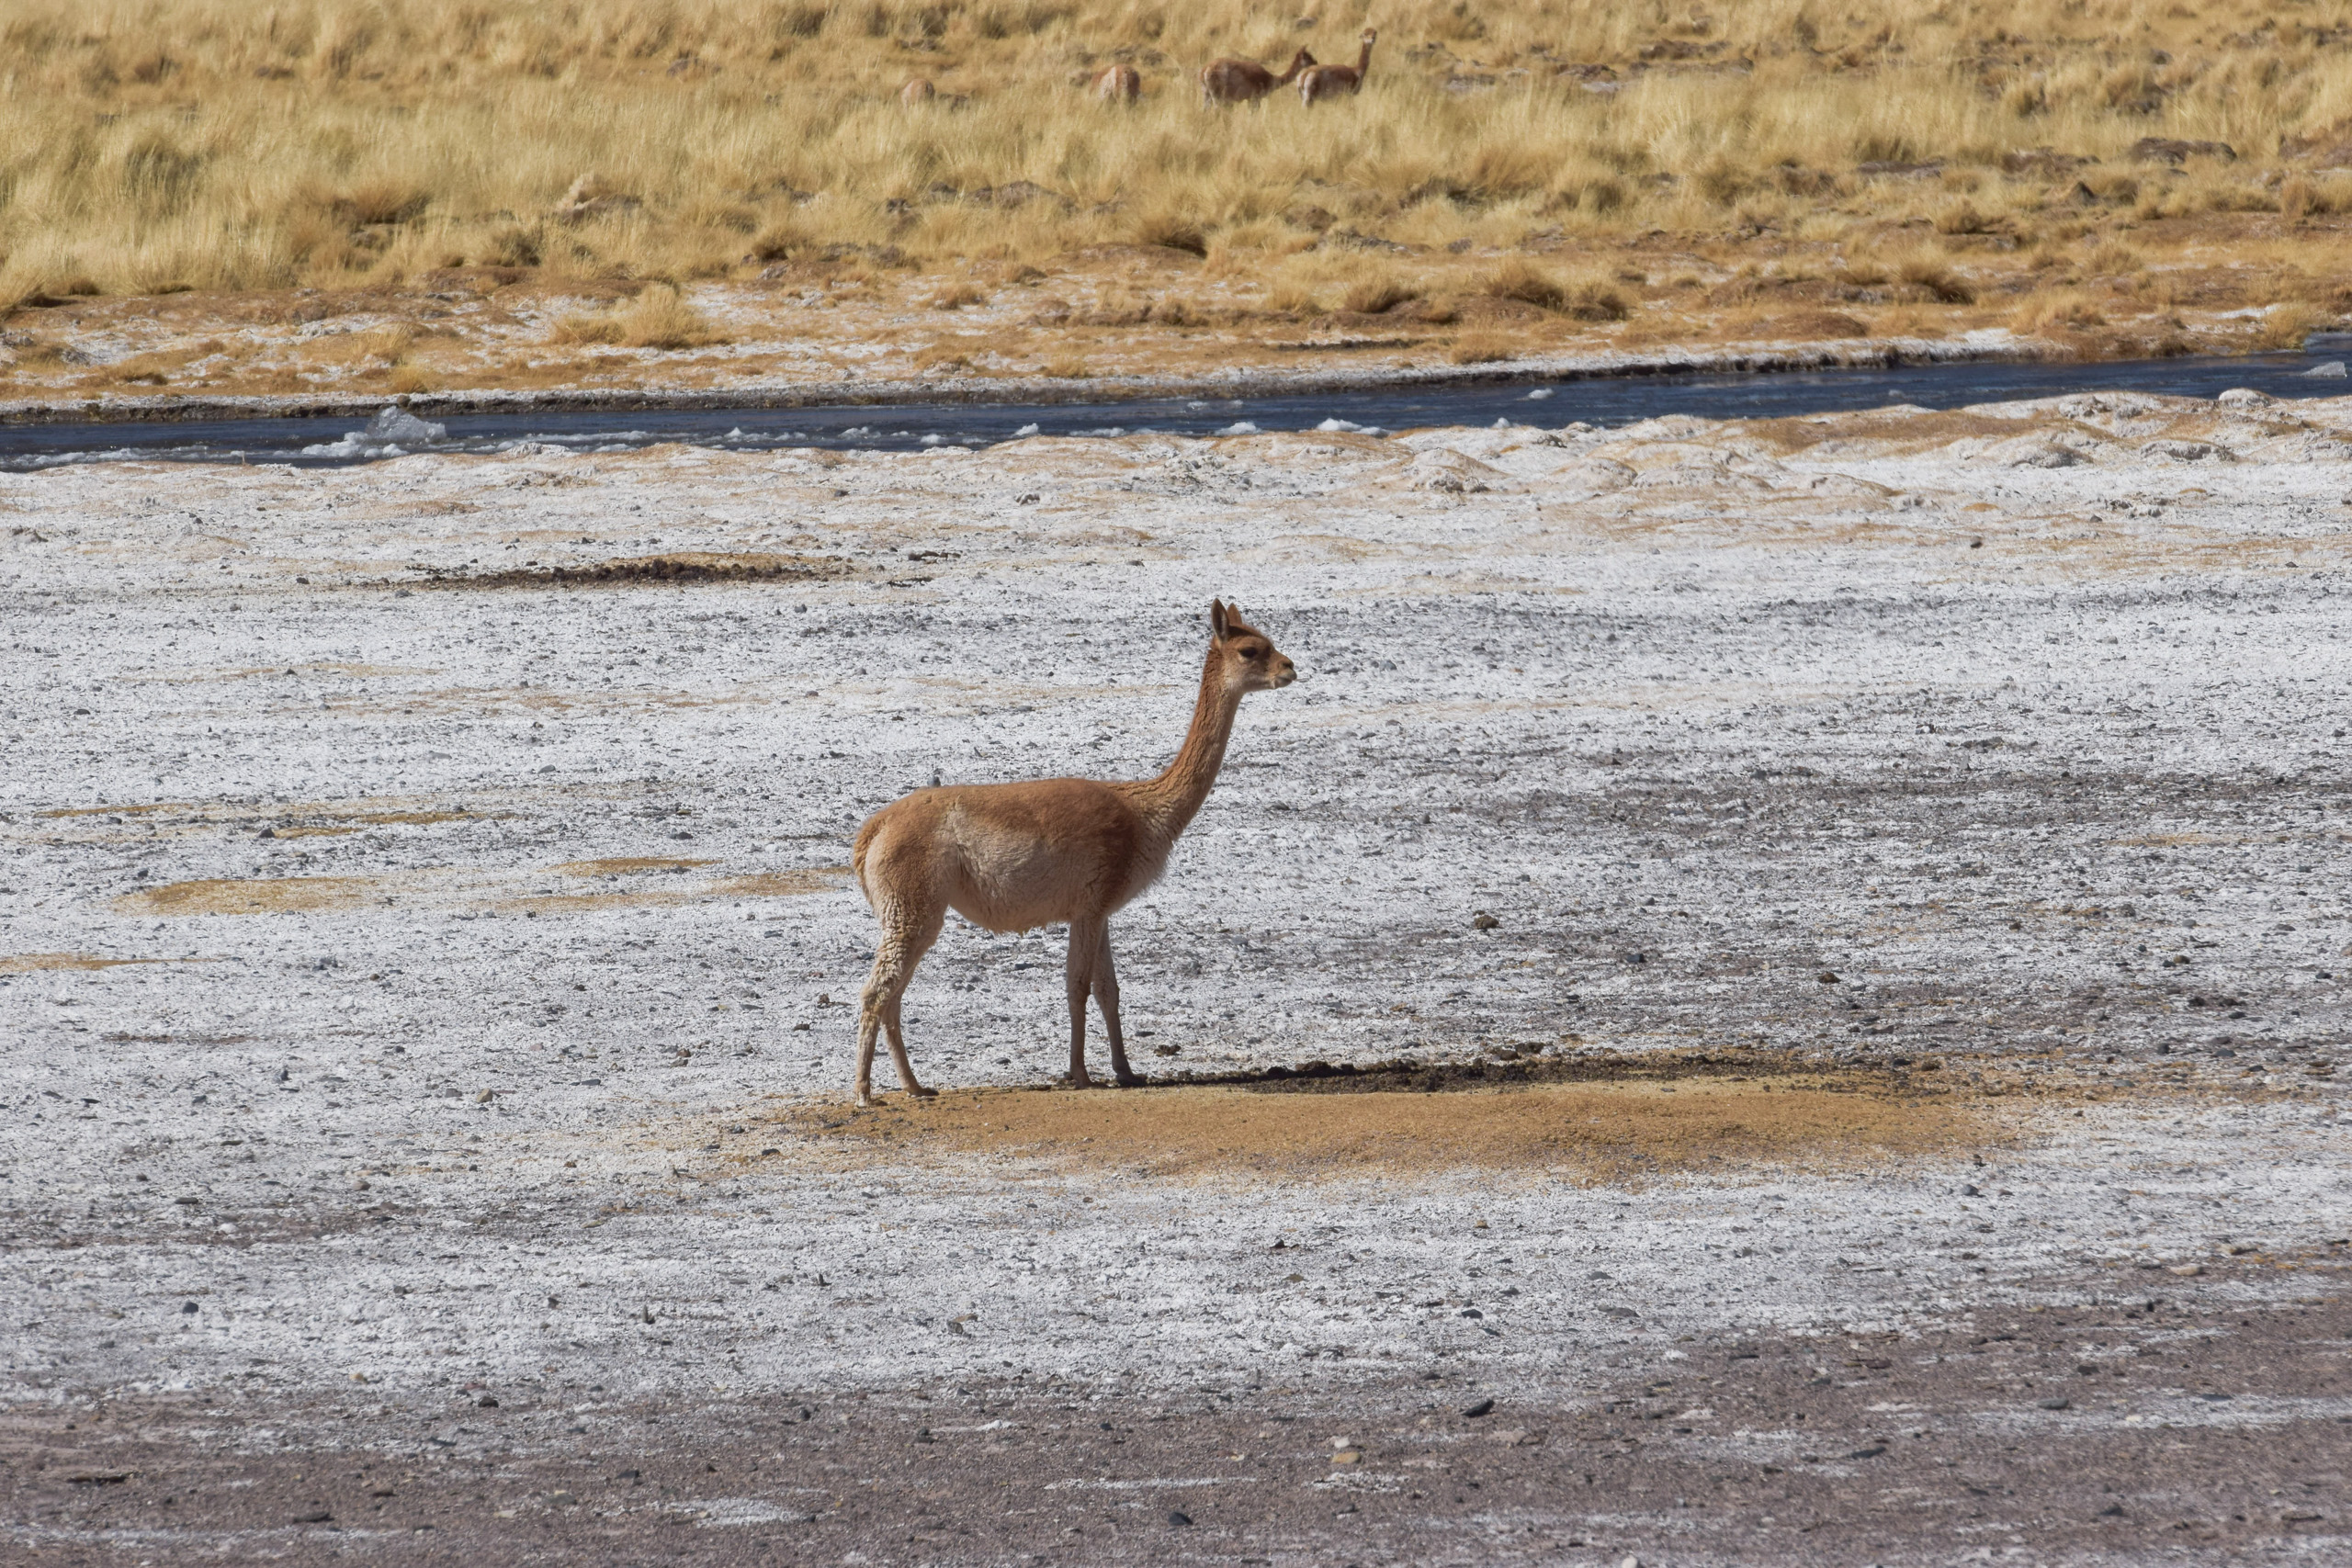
(1330, 81)
(1119, 84)
(1010, 857)
(1230, 81)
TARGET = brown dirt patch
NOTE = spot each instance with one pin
(31, 963)
(625, 865)
(585, 903)
(1631, 1128)
(680, 566)
(1940, 428)
(783, 884)
(273, 896)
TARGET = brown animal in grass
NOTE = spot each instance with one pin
(1010, 857)
(1230, 81)
(1119, 84)
(1330, 81)
(917, 93)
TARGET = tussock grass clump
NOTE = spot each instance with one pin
(1527, 284)
(658, 316)
(2287, 324)
(2064, 311)
(1931, 276)
(1377, 296)
(1482, 348)
(1585, 300)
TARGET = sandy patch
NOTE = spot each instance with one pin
(265, 896)
(1621, 1132)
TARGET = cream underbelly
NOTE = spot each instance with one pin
(1022, 893)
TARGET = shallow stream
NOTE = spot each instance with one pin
(1599, 400)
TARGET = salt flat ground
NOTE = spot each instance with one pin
(423, 978)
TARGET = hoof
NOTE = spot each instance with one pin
(922, 1093)
(1132, 1080)
(866, 1101)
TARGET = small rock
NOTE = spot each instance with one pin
(1629, 1562)
(1178, 1516)
(1483, 921)
(1827, 978)
(2054, 1403)
(2185, 1269)
(560, 1499)
(2112, 1511)
(1471, 1412)
(485, 1097)
(315, 1516)
(1871, 1451)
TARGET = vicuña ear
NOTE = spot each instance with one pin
(1218, 618)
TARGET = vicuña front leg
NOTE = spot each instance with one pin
(1085, 948)
(1106, 995)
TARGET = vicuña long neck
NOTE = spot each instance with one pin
(1170, 801)
(1363, 58)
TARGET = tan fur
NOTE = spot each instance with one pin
(1231, 81)
(1330, 81)
(916, 93)
(1119, 84)
(1012, 857)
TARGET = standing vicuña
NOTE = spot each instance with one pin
(1231, 81)
(1014, 857)
(1119, 84)
(1330, 81)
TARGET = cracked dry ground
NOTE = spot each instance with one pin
(1823, 940)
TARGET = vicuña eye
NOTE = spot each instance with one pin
(1253, 653)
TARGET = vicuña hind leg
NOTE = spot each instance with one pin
(1106, 996)
(907, 935)
(1085, 952)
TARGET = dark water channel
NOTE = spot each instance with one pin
(1599, 400)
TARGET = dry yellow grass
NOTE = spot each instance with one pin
(1516, 177)
(155, 145)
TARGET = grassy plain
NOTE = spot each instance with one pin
(2122, 178)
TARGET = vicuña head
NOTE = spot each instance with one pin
(1012, 857)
